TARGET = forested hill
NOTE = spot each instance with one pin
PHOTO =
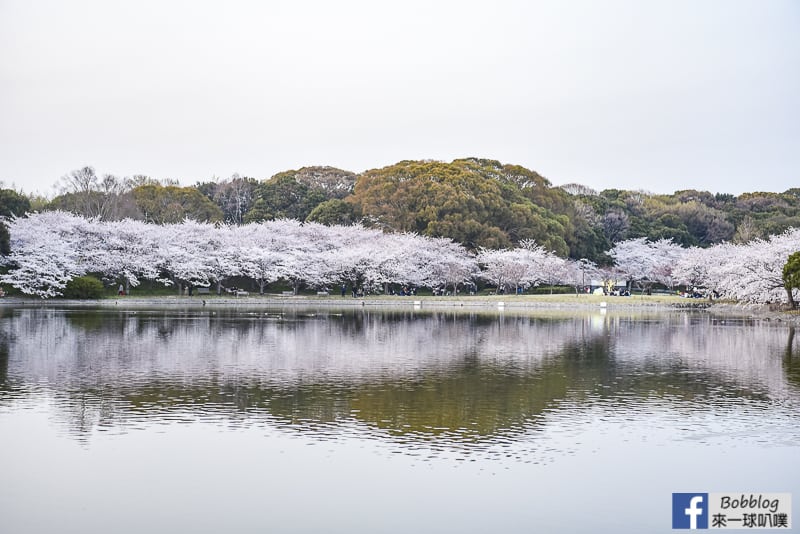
(477, 202)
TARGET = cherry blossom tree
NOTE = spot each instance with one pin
(502, 268)
(257, 254)
(122, 252)
(45, 253)
(704, 267)
(49, 249)
(302, 245)
(753, 272)
(219, 257)
(518, 268)
(577, 272)
(448, 264)
(353, 254)
(409, 259)
(647, 262)
(553, 270)
(181, 252)
(400, 260)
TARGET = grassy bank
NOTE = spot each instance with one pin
(533, 301)
(548, 304)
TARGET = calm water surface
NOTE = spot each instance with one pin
(318, 420)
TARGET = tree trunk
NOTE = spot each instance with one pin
(790, 296)
(219, 287)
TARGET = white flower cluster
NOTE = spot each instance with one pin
(750, 272)
(51, 248)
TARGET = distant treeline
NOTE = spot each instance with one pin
(476, 202)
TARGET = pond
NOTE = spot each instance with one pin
(385, 420)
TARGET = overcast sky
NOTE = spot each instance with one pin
(624, 94)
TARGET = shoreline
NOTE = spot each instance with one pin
(583, 303)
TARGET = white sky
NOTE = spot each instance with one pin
(626, 94)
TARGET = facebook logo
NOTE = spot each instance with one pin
(690, 510)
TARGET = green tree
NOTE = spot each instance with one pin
(791, 277)
(587, 241)
(333, 212)
(172, 204)
(260, 211)
(11, 204)
(704, 225)
(332, 182)
(476, 202)
(5, 240)
(283, 197)
(234, 196)
(84, 287)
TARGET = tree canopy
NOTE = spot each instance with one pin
(283, 197)
(50, 249)
(791, 277)
(12, 204)
(475, 202)
(170, 204)
(480, 203)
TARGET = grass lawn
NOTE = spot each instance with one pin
(565, 299)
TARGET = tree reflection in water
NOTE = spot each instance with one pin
(447, 378)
